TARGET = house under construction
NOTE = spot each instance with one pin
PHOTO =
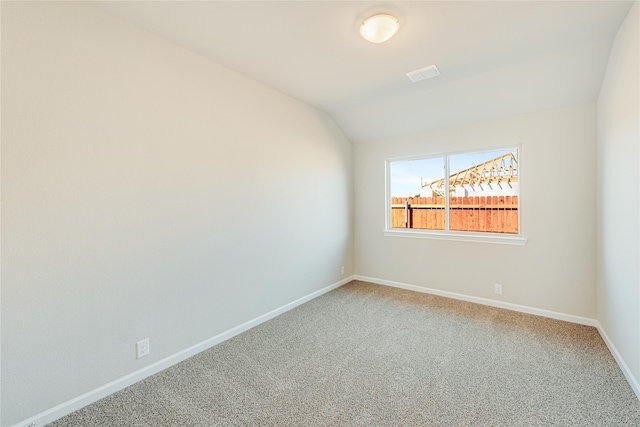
(495, 177)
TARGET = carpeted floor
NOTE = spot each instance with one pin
(369, 355)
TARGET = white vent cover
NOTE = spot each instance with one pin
(423, 73)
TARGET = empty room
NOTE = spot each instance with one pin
(310, 213)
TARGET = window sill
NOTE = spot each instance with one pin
(460, 236)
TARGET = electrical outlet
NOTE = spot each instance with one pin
(497, 288)
(342, 270)
(142, 348)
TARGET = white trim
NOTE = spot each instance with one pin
(448, 234)
(633, 382)
(466, 237)
(484, 301)
(458, 152)
(92, 396)
(631, 379)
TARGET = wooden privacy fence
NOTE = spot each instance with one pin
(494, 214)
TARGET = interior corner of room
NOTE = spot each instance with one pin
(169, 183)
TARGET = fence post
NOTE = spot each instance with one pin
(406, 213)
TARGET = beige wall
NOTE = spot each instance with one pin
(147, 192)
(618, 195)
(554, 271)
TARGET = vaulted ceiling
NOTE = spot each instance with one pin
(497, 58)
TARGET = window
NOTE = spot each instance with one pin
(479, 199)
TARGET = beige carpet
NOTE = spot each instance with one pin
(368, 355)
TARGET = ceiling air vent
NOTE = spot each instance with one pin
(423, 73)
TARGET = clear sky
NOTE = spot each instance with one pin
(405, 175)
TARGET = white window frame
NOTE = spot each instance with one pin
(446, 234)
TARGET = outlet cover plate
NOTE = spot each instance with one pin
(142, 348)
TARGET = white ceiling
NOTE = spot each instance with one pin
(497, 58)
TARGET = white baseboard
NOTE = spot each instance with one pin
(631, 379)
(484, 301)
(92, 396)
(633, 382)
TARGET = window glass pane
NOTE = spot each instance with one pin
(483, 189)
(415, 201)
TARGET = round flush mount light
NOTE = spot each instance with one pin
(379, 28)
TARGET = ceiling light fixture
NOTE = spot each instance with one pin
(379, 28)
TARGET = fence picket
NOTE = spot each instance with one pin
(495, 214)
